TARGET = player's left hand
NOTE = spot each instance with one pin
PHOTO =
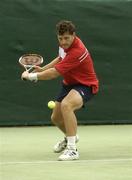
(25, 75)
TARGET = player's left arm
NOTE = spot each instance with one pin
(48, 74)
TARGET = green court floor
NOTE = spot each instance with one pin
(105, 154)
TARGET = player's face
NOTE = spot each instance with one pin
(66, 40)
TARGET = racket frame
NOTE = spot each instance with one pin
(30, 67)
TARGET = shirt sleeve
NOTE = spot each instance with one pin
(70, 62)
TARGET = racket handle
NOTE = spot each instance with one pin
(30, 69)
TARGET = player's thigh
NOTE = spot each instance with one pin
(73, 100)
(57, 114)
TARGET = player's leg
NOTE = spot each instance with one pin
(70, 103)
(75, 99)
(57, 118)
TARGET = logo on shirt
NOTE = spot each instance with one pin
(81, 92)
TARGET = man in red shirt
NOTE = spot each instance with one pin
(79, 85)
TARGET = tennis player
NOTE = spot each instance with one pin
(79, 85)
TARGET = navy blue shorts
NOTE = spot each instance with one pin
(84, 91)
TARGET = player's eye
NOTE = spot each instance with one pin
(66, 38)
(60, 39)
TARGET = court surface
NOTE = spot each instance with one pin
(105, 154)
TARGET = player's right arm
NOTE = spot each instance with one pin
(47, 66)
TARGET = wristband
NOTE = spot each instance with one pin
(33, 77)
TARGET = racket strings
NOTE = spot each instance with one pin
(31, 60)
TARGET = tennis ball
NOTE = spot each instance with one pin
(51, 104)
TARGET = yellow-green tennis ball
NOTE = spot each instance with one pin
(51, 104)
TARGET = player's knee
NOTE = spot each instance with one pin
(65, 106)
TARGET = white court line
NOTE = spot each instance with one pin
(75, 161)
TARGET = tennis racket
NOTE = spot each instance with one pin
(28, 61)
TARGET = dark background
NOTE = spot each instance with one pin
(105, 27)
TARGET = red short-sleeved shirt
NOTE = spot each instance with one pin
(76, 65)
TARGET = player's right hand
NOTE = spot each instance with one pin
(37, 69)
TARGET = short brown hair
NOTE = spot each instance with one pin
(65, 26)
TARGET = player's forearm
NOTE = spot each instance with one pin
(48, 74)
(44, 75)
(51, 64)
